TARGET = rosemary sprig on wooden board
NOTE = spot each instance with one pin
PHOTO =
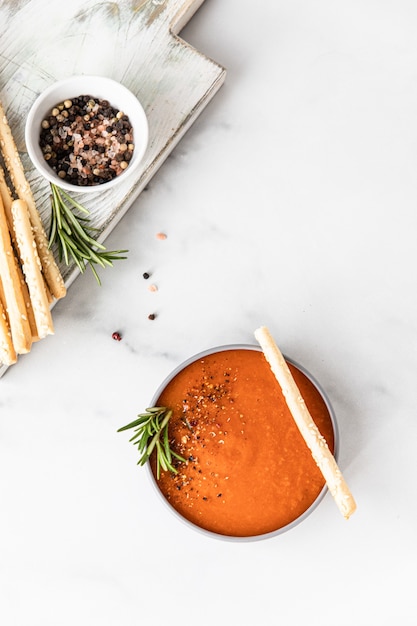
(73, 235)
(151, 433)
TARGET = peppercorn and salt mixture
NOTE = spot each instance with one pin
(87, 141)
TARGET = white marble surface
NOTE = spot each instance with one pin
(291, 202)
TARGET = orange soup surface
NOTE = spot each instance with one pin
(248, 470)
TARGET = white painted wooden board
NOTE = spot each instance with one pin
(132, 41)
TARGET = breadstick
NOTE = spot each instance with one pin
(17, 175)
(32, 268)
(13, 298)
(7, 352)
(6, 196)
(26, 297)
(5, 193)
(308, 429)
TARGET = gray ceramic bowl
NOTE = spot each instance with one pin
(308, 511)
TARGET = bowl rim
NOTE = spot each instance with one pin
(41, 105)
(313, 505)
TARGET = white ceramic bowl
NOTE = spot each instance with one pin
(97, 87)
(320, 496)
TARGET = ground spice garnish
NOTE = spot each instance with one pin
(194, 427)
(86, 141)
(153, 288)
(151, 316)
(161, 236)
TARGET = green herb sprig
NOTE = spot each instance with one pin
(151, 433)
(73, 235)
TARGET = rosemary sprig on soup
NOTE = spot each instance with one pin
(151, 433)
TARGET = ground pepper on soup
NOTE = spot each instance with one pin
(248, 470)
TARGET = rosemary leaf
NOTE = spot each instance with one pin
(166, 445)
(96, 276)
(152, 444)
(177, 456)
(161, 456)
(141, 418)
(71, 200)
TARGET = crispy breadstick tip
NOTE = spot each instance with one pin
(308, 429)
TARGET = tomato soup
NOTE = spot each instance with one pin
(248, 470)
